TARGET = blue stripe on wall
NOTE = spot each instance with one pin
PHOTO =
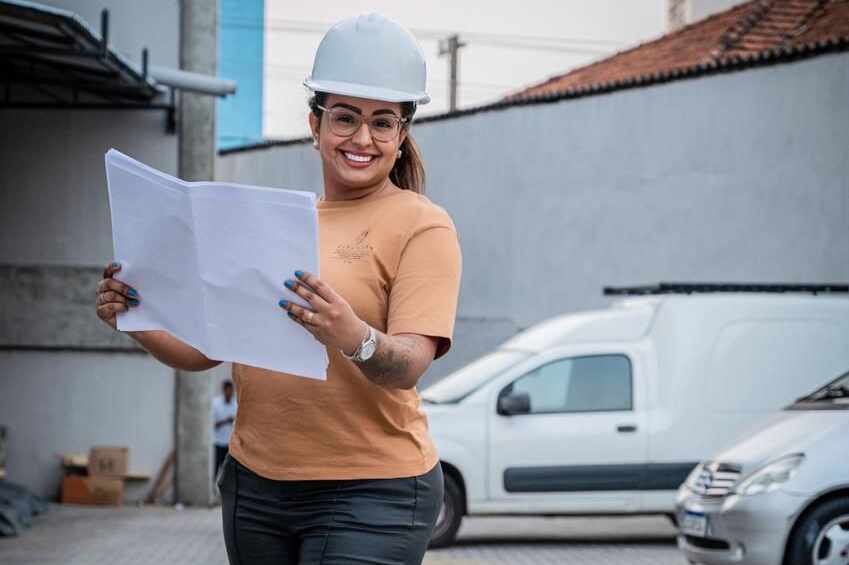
(240, 58)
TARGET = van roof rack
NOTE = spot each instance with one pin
(700, 288)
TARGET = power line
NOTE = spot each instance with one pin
(545, 43)
(322, 27)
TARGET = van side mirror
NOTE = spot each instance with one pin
(514, 403)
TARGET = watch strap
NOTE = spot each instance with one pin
(356, 356)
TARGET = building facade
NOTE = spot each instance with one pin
(67, 382)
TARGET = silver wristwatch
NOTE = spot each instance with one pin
(366, 348)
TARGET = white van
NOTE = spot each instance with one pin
(607, 412)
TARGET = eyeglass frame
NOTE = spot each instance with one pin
(401, 121)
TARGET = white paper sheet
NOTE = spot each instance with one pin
(209, 260)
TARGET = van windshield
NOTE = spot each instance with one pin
(462, 382)
(835, 394)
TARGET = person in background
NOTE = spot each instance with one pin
(223, 414)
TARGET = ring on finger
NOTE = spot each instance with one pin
(308, 317)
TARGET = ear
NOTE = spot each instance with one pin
(402, 136)
(313, 125)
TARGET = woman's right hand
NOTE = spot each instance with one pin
(113, 296)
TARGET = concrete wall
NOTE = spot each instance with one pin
(734, 177)
(54, 403)
(54, 208)
(66, 381)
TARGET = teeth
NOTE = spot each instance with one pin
(359, 158)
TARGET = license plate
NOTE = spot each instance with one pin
(694, 524)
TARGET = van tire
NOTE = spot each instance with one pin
(445, 529)
(805, 536)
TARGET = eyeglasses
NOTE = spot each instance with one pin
(345, 123)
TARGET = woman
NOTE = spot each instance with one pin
(343, 470)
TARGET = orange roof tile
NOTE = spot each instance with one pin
(754, 30)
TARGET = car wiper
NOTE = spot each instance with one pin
(837, 392)
(827, 393)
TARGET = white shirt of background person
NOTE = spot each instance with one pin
(223, 414)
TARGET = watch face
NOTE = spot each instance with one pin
(368, 350)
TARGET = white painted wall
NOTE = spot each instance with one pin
(700, 9)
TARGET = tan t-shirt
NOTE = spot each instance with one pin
(394, 256)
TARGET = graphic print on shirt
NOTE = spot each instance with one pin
(355, 251)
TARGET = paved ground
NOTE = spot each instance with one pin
(70, 535)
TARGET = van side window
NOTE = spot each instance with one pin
(579, 384)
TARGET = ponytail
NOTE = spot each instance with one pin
(408, 172)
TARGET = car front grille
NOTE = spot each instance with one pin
(717, 479)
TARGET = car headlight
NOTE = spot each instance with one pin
(693, 477)
(772, 476)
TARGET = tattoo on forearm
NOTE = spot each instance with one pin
(390, 364)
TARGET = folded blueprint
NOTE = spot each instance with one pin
(209, 260)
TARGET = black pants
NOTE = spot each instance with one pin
(220, 454)
(386, 521)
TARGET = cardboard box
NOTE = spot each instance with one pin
(106, 461)
(77, 489)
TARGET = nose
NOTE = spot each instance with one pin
(362, 136)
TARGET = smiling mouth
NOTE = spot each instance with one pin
(358, 159)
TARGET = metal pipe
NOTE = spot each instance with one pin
(193, 82)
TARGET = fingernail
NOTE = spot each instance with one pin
(134, 302)
(299, 274)
(283, 303)
(132, 292)
(289, 284)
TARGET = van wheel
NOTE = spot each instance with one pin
(450, 515)
(822, 536)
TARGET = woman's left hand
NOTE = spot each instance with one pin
(330, 319)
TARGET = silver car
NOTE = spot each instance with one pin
(781, 496)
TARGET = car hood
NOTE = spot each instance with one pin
(790, 431)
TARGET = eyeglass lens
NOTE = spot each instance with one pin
(345, 122)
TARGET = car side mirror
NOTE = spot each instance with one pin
(514, 403)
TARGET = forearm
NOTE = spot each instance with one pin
(399, 360)
(172, 351)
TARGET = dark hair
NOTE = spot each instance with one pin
(408, 172)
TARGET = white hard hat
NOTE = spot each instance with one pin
(370, 56)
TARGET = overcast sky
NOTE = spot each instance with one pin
(510, 44)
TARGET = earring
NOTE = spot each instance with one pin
(315, 142)
(399, 153)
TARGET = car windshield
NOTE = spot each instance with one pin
(461, 383)
(835, 392)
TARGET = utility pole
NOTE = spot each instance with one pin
(450, 46)
(198, 53)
